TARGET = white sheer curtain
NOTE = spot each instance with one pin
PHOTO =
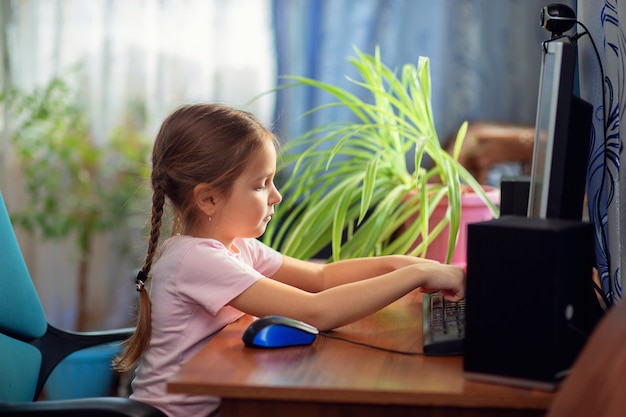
(151, 55)
(162, 53)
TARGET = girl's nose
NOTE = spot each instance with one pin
(275, 197)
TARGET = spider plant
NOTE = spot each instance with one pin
(350, 184)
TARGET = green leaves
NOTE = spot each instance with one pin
(351, 185)
(73, 184)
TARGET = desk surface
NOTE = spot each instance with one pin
(334, 373)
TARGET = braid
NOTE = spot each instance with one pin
(190, 138)
(138, 342)
(158, 201)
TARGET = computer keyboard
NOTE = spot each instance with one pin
(443, 324)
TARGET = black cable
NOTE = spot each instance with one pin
(600, 292)
(607, 297)
(384, 349)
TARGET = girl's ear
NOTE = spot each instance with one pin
(204, 196)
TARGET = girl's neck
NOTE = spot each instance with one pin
(205, 234)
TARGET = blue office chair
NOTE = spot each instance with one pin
(30, 347)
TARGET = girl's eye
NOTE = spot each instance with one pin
(265, 184)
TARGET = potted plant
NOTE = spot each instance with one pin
(74, 188)
(351, 184)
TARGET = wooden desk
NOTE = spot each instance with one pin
(336, 378)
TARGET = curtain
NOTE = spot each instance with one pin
(485, 55)
(605, 188)
(139, 59)
(159, 53)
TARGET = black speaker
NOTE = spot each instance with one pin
(514, 192)
(530, 300)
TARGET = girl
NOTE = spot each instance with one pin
(216, 167)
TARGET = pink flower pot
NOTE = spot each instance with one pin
(473, 210)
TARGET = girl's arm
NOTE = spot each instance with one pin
(348, 302)
(315, 277)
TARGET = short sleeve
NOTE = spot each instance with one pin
(263, 258)
(211, 276)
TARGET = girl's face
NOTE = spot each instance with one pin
(250, 206)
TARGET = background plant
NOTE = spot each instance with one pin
(351, 184)
(73, 185)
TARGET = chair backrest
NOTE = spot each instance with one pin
(22, 319)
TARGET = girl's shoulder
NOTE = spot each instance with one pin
(258, 254)
(244, 250)
(242, 247)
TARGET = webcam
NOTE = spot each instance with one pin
(557, 18)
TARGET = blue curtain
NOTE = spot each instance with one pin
(605, 90)
(485, 54)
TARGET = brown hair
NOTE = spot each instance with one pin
(201, 143)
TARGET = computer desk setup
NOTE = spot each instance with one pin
(376, 366)
(334, 377)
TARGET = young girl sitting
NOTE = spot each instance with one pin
(216, 166)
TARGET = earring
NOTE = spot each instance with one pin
(210, 219)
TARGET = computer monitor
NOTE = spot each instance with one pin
(562, 137)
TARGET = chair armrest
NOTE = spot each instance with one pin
(56, 344)
(93, 407)
(87, 339)
(69, 341)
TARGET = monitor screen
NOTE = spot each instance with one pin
(562, 136)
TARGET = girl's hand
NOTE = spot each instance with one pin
(448, 279)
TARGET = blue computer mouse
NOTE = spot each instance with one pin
(278, 331)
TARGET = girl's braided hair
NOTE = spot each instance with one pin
(200, 143)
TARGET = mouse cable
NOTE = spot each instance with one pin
(384, 349)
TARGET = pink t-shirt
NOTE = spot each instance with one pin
(192, 282)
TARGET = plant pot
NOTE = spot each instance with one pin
(84, 373)
(473, 210)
